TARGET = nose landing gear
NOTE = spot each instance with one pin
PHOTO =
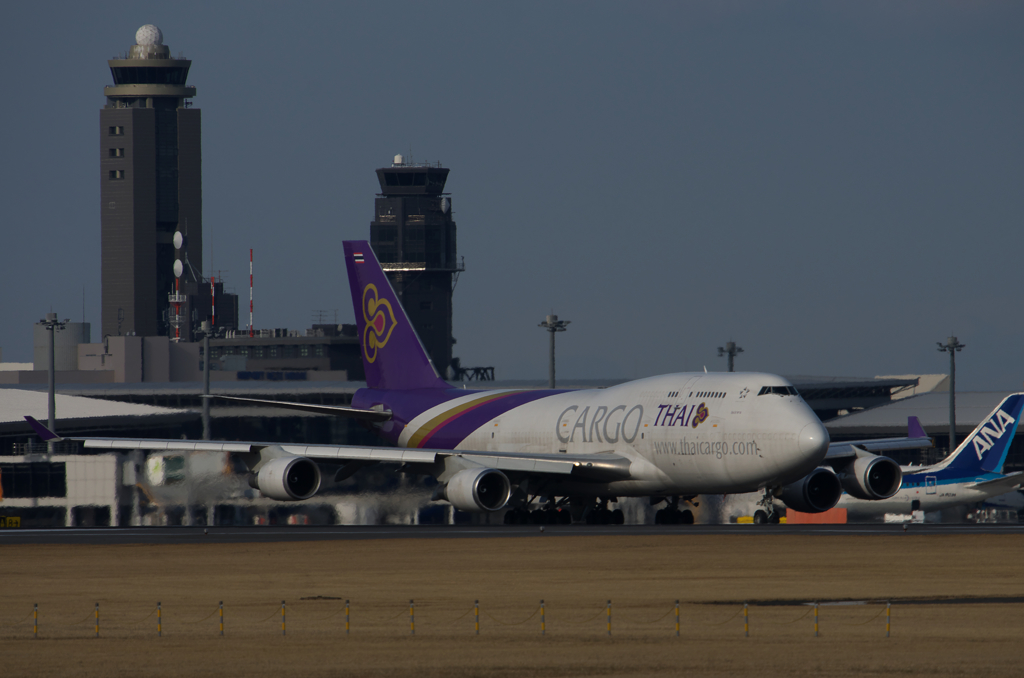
(768, 515)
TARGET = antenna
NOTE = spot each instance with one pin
(251, 332)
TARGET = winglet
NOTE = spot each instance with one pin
(46, 434)
(914, 428)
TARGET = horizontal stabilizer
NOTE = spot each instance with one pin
(1006, 483)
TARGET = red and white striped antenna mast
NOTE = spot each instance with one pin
(213, 304)
(251, 331)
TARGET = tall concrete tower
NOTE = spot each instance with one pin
(413, 236)
(150, 185)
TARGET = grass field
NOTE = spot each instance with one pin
(642, 576)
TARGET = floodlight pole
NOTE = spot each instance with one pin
(51, 324)
(552, 324)
(731, 350)
(952, 346)
(206, 328)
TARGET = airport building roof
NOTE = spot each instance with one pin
(77, 415)
(932, 409)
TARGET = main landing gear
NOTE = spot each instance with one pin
(600, 514)
(673, 515)
(768, 515)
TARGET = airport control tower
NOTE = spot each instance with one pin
(413, 236)
(150, 185)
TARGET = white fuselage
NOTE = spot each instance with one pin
(684, 433)
(921, 492)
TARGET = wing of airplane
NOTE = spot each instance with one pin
(341, 411)
(916, 439)
(471, 480)
(855, 448)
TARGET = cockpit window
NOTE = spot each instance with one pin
(778, 390)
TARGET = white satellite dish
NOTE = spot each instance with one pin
(179, 240)
(446, 204)
(178, 268)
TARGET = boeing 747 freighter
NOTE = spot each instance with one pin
(669, 437)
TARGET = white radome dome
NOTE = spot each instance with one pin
(148, 36)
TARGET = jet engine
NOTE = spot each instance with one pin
(478, 490)
(816, 492)
(289, 478)
(871, 477)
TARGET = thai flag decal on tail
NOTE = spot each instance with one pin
(358, 256)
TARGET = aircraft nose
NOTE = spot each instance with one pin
(814, 439)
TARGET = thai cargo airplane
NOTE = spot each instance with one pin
(669, 437)
(972, 473)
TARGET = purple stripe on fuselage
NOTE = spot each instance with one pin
(450, 434)
(407, 405)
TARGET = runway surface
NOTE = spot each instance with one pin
(277, 534)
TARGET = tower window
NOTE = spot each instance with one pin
(116, 152)
(117, 174)
(117, 131)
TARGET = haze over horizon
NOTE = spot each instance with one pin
(834, 186)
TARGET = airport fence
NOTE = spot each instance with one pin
(324, 616)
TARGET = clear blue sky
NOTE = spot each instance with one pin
(835, 186)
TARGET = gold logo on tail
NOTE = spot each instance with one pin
(380, 321)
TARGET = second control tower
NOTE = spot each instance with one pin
(413, 236)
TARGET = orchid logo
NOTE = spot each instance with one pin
(380, 322)
(702, 414)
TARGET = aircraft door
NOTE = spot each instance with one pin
(929, 484)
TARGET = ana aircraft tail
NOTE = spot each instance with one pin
(393, 356)
(984, 451)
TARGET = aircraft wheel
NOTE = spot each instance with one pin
(618, 517)
(510, 517)
(773, 518)
(659, 517)
(760, 517)
(686, 517)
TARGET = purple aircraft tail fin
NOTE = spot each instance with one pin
(393, 356)
(914, 428)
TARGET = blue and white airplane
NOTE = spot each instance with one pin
(973, 473)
